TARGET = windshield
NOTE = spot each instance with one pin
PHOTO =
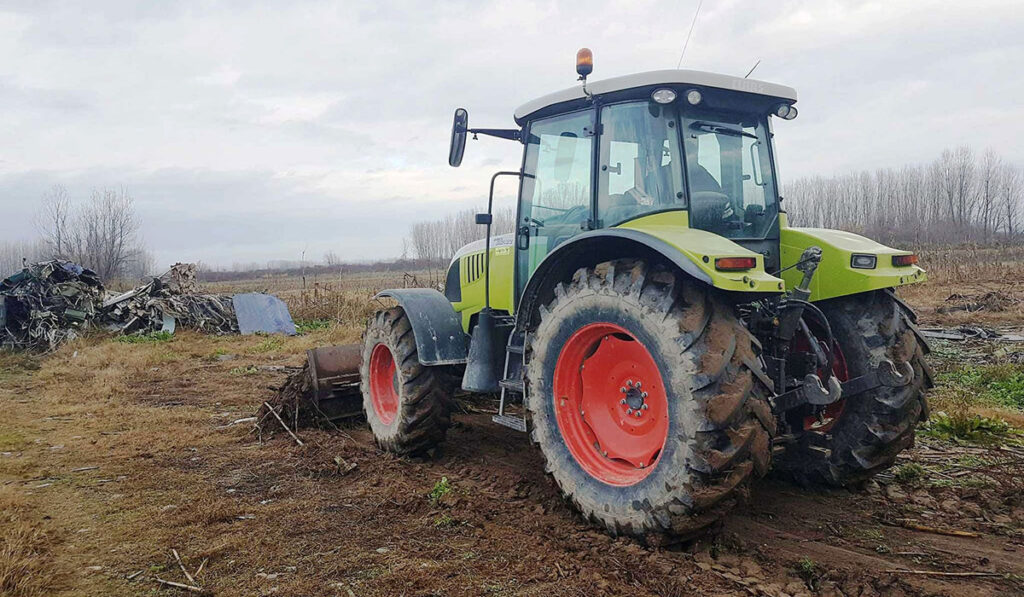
(732, 190)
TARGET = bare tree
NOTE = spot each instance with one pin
(1010, 200)
(102, 234)
(53, 220)
(987, 193)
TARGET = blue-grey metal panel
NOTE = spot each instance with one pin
(262, 313)
(435, 324)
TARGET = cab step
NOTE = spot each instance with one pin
(517, 423)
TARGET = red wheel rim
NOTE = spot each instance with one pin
(383, 382)
(830, 415)
(610, 404)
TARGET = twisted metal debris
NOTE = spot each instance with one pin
(47, 304)
(168, 301)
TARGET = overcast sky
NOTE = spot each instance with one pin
(249, 131)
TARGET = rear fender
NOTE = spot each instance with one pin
(835, 276)
(435, 325)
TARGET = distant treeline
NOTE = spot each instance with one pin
(310, 270)
(958, 198)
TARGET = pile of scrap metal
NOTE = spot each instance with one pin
(168, 301)
(47, 304)
(51, 302)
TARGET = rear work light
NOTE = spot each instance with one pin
(735, 264)
(904, 260)
(863, 261)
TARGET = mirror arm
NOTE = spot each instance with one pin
(510, 134)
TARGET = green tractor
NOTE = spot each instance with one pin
(653, 322)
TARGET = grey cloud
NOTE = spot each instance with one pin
(248, 131)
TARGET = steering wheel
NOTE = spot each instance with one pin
(710, 210)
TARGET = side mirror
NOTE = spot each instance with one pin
(458, 144)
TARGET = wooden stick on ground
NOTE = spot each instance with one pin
(951, 532)
(933, 573)
(281, 421)
(178, 585)
(182, 566)
(201, 566)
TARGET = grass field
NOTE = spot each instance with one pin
(113, 454)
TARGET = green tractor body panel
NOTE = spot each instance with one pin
(671, 232)
(702, 248)
(836, 275)
(471, 268)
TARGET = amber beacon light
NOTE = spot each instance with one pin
(584, 63)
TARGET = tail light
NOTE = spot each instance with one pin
(904, 260)
(735, 264)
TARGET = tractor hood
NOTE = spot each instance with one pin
(500, 240)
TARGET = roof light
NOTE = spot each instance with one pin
(863, 261)
(904, 260)
(693, 97)
(663, 96)
(735, 264)
(584, 62)
(785, 111)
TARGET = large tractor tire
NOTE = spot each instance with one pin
(643, 400)
(861, 436)
(407, 404)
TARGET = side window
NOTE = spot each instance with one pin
(732, 192)
(640, 170)
(556, 191)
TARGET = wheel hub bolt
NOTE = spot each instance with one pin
(638, 413)
(623, 401)
(629, 411)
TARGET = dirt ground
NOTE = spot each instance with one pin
(114, 454)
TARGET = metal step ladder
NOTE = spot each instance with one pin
(512, 381)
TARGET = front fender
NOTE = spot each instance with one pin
(435, 325)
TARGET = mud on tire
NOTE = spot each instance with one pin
(408, 405)
(874, 426)
(719, 422)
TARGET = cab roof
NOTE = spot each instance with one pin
(655, 78)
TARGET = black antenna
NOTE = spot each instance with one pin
(752, 68)
(687, 42)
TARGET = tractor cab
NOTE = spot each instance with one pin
(602, 155)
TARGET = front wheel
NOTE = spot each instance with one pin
(407, 404)
(643, 401)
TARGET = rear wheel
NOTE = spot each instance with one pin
(861, 435)
(643, 401)
(407, 404)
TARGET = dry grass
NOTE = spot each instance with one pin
(343, 299)
(24, 548)
(971, 271)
